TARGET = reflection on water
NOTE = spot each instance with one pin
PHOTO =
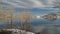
(47, 27)
(43, 26)
(50, 29)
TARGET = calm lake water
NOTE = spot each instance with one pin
(43, 26)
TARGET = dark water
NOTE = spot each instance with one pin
(43, 26)
(36, 22)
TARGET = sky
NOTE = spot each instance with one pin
(35, 6)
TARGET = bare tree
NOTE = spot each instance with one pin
(9, 13)
(25, 20)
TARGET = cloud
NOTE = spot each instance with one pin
(14, 3)
(37, 3)
(28, 3)
(31, 4)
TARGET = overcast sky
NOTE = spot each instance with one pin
(29, 3)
